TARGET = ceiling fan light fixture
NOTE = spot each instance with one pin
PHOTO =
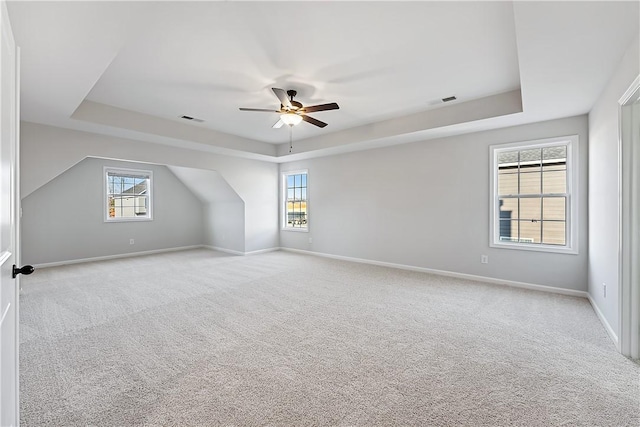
(290, 119)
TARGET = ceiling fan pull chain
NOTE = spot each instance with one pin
(290, 138)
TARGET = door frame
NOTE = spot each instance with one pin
(629, 184)
(10, 403)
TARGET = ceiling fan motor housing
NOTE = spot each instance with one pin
(295, 108)
(295, 105)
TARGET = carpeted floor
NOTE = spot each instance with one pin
(199, 338)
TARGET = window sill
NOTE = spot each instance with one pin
(297, 230)
(128, 220)
(536, 248)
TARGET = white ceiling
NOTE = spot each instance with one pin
(132, 69)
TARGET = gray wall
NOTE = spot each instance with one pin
(604, 191)
(224, 225)
(224, 210)
(427, 205)
(64, 219)
(47, 151)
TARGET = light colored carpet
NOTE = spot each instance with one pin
(201, 338)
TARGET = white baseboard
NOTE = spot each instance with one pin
(234, 252)
(605, 323)
(225, 250)
(262, 251)
(108, 257)
(523, 285)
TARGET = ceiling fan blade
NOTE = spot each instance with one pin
(260, 109)
(322, 107)
(282, 96)
(313, 121)
(278, 124)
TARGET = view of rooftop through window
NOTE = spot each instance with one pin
(532, 192)
(127, 194)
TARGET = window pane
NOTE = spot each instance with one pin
(304, 193)
(290, 181)
(530, 158)
(298, 180)
(530, 231)
(290, 214)
(554, 208)
(554, 232)
(507, 183)
(554, 167)
(507, 158)
(304, 180)
(530, 182)
(111, 206)
(303, 214)
(140, 185)
(290, 194)
(557, 154)
(554, 181)
(531, 208)
(297, 194)
(508, 231)
(508, 208)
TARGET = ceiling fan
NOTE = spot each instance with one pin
(292, 112)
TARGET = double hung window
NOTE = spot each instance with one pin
(296, 213)
(128, 195)
(534, 195)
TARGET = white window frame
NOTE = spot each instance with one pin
(283, 204)
(123, 171)
(571, 215)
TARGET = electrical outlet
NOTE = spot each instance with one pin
(131, 241)
(484, 259)
(310, 239)
(604, 290)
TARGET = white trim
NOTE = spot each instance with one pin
(240, 253)
(262, 251)
(571, 215)
(283, 201)
(297, 230)
(18, 231)
(4, 256)
(108, 257)
(630, 92)
(605, 323)
(151, 252)
(628, 225)
(126, 171)
(227, 251)
(4, 314)
(492, 280)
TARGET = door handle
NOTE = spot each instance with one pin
(26, 270)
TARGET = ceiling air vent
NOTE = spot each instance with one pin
(192, 119)
(450, 98)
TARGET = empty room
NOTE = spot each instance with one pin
(320, 213)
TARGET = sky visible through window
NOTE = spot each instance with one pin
(296, 203)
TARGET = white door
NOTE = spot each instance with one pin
(9, 226)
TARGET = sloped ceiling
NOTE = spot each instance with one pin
(208, 186)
